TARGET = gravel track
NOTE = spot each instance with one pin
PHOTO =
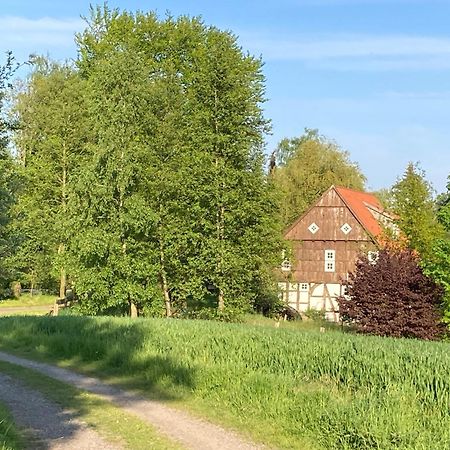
(47, 425)
(191, 432)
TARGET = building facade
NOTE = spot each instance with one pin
(326, 242)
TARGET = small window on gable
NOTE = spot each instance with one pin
(330, 260)
(304, 287)
(313, 228)
(346, 228)
(286, 266)
(372, 257)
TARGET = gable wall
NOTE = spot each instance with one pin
(329, 215)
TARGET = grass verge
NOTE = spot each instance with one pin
(110, 421)
(287, 388)
(11, 437)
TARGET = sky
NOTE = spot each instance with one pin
(373, 75)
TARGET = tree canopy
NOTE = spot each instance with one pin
(306, 167)
(173, 207)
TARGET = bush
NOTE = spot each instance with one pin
(392, 297)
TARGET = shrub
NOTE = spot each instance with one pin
(392, 297)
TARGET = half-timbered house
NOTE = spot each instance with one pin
(326, 242)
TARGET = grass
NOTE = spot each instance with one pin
(28, 300)
(289, 388)
(110, 421)
(11, 437)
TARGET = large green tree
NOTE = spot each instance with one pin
(174, 208)
(437, 265)
(306, 167)
(412, 201)
(51, 140)
(8, 180)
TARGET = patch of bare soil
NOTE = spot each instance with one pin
(47, 425)
(191, 432)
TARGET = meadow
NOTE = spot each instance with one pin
(289, 388)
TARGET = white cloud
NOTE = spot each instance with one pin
(24, 36)
(355, 52)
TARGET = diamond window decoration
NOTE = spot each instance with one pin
(346, 228)
(313, 228)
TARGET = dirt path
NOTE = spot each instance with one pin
(47, 425)
(191, 432)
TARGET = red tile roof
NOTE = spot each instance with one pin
(359, 203)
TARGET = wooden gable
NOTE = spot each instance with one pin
(328, 220)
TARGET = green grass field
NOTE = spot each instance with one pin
(28, 300)
(289, 388)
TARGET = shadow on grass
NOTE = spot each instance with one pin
(111, 348)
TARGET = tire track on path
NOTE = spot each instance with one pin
(46, 424)
(191, 432)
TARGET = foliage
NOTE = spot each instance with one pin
(173, 205)
(307, 167)
(50, 139)
(8, 180)
(290, 389)
(437, 265)
(392, 297)
(414, 206)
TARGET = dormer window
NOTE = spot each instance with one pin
(346, 228)
(313, 228)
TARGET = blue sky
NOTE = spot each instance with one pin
(372, 74)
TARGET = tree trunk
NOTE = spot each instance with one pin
(221, 301)
(162, 274)
(133, 310)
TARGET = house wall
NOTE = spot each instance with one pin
(308, 284)
(320, 296)
(308, 260)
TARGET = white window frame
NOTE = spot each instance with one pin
(372, 256)
(286, 266)
(330, 260)
(304, 287)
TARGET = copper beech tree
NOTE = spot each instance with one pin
(392, 297)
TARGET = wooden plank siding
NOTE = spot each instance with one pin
(336, 208)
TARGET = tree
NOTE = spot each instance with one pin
(307, 167)
(392, 297)
(413, 203)
(174, 205)
(8, 180)
(437, 265)
(51, 141)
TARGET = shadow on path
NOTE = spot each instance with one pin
(47, 425)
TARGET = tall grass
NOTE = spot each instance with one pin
(10, 437)
(293, 389)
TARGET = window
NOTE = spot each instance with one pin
(372, 257)
(313, 228)
(330, 260)
(304, 287)
(346, 228)
(286, 266)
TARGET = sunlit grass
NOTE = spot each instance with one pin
(290, 388)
